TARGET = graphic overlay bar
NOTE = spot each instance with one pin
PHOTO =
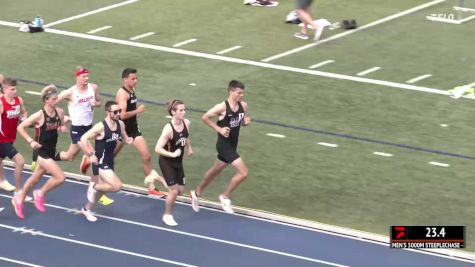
(425, 237)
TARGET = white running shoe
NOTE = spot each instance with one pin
(169, 220)
(27, 197)
(195, 203)
(301, 35)
(226, 204)
(5, 185)
(91, 193)
(88, 214)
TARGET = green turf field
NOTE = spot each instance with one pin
(348, 185)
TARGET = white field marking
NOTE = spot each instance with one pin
(444, 125)
(321, 64)
(20, 262)
(99, 246)
(177, 232)
(445, 20)
(275, 218)
(439, 164)
(275, 135)
(419, 78)
(185, 42)
(241, 61)
(327, 144)
(467, 19)
(192, 84)
(464, 9)
(33, 93)
(141, 36)
(99, 29)
(168, 117)
(453, 21)
(91, 13)
(364, 27)
(383, 154)
(373, 69)
(228, 50)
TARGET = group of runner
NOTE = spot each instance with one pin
(119, 126)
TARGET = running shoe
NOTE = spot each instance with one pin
(39, 201)
(226, 204)
(33, 166)
(195, 203)
(5, 185)
(169, 220)
(156, 193)
(104, 200)
(301, 36)
(18, 207)
(84, 164)
(27, 197)
(88, 214)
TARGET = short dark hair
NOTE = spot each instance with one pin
(127, 71)
(235, 84)
(109, 104)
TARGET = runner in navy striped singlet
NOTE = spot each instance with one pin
(106, 133)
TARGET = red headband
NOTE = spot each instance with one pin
(81, 72)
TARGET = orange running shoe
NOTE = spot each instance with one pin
(84, 164)
(156, 193)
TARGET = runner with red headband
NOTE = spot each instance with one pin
(82, 98)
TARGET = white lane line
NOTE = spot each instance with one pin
(383, 154)
(275, 135)
(98, 246)
(228, 50)
(20, 262)
(439, 164)
(184, 42)
(2, 208)
(327, 144)
(141, 36)
(188, 234)
(321, 64)
(241, 61)
(345, 33)
(91, 13)
(363, 73)
(99, 29)
(419, 78)
(33, 93)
